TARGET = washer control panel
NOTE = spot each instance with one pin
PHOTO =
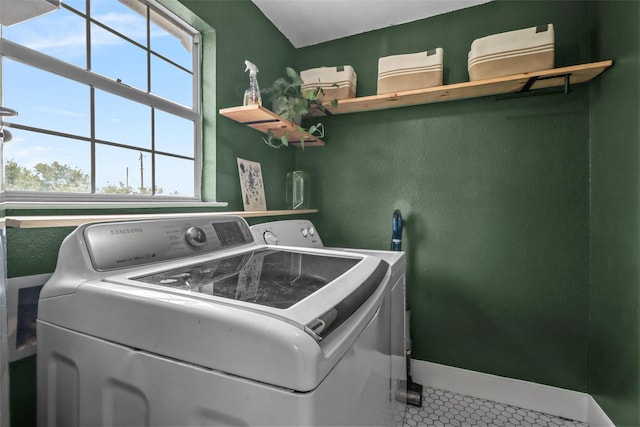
(295, 232)
(114, 245)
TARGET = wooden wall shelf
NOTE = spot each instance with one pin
(264, 120)
(496, 86)
(261, 119)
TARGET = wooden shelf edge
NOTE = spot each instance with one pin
(53, 221)
(264, 120)
(475, 89)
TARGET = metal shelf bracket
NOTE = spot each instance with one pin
(567, 82)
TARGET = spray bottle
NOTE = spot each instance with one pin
(252, 95)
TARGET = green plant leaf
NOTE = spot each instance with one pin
(318, 130)
(291, 73)
(269, 140)
(300, 109)
(296, 81)
(279, 85)
(310, 94)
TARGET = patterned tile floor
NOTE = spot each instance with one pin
(448, 409)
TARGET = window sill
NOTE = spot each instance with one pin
(48, 221)
(52, 205)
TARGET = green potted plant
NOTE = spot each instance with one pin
(291, 102)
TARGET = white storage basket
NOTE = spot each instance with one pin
(513, 52)
(398, 73)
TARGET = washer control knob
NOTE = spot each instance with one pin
(270, 238)
(312, 231)
(305, 232)
(196, 237)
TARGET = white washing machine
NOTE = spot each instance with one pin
(189, 322)
(302, 233)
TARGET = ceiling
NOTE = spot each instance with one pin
(309, 22)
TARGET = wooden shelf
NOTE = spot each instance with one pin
(47, 221)
(264, 120)
(496, 86)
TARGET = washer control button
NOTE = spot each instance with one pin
(196, 237)
(270, 238)
(305, 232)
(312, 231)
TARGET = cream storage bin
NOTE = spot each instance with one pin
(336, 82)
(513, 52)
(397, 73)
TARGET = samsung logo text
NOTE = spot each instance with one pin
(121, 231)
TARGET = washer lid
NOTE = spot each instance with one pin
(315, 290)
(268, 277)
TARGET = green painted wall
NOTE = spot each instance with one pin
(494, 193)
(242, 32)
(614, 323)
(521, 214)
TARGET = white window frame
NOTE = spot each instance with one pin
(42, 61)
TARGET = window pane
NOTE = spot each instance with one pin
(79, 5)
(174, 177)
(174, 134)
(61, 34)
(171, 41)
(122, 171)
(170, 82)
(122, 121)
(114, 57)
(124, 20)
(45, 100)
(40, 162)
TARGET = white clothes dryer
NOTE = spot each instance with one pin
(302, 233)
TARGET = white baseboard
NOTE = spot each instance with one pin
(537, 397)
(596, 417)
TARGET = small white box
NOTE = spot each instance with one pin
(513, 52)
(336, 82)
(420, 70)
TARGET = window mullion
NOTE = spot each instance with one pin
(93, 140)
(153, 151)
(92, 103)
(87, 24)
(153, 110)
